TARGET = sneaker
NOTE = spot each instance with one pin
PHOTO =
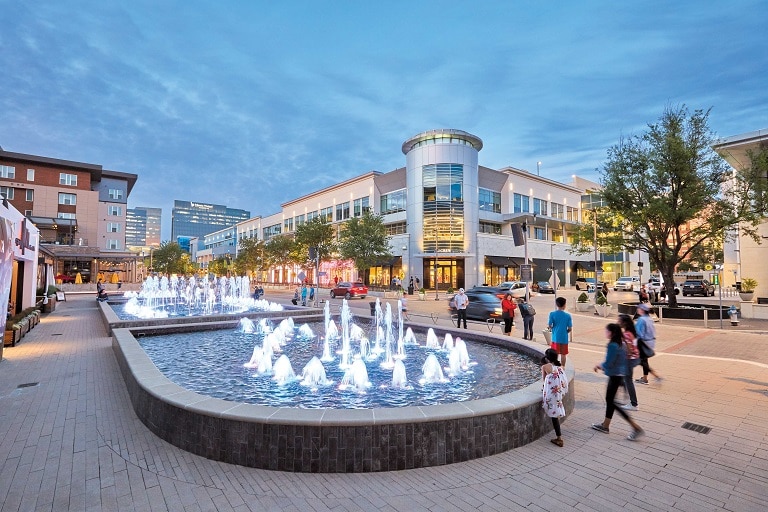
(599, 427)
(641, 381)
(635, 435)
(659, 379)
(629, 407)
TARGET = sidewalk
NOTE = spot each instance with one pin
(69, 439)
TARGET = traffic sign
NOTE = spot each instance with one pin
(526, 273)
(707, 267)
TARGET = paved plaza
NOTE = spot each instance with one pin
(69, 439)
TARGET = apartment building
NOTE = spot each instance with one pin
(79, 209)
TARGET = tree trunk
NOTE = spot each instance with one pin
(669, 286)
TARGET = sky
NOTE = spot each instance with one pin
(251, 104)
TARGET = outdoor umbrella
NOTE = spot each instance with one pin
(115, 278)
(78, 278)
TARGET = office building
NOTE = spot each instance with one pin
(194, 219)
(143, 228)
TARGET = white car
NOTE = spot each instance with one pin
(516, 288)
(627, 284)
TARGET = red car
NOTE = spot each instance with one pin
(349, 290)
(64, 278)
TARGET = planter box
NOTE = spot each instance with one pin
(11, 337)
(583, 307)
(603, 310)
(747, 296)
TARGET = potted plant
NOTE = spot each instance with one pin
(582, 303)
(422, 294)
(601, 305)
(747, 290)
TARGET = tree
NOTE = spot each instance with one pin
(170, 258)
(219, 266)
(251, 256)
(667, 192)
(318, 234)
(280, 250)
(364, 240)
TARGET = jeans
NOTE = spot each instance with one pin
(614, 383)
(528, 327)
(461, 315)
(629, 383)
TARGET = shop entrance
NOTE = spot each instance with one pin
(447, 273)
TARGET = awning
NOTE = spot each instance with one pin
(391, 262)
(502, 261)
(586, 265)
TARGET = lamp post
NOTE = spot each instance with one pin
(151, 268)
(554, 272)
(436, 297)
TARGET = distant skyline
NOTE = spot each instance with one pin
(252, 104)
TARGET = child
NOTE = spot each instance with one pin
(555, 388)
(404, 308)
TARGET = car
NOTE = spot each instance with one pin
(481, 306)
(655, 285)
(348, 290)
(587, 283)
(544, 287)
(516, 288)
(627, 284)
(698, 287)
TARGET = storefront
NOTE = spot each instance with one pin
(18, 261)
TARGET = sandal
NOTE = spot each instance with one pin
(558, 442)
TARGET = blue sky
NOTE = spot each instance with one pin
(253, 103)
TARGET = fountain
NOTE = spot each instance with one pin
(311, 410)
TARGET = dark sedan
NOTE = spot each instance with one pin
(698, 287)
(482, 305)
(545, 287)
(349, 290)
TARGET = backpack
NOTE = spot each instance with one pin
(528, 308)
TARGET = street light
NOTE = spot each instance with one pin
(554, 272)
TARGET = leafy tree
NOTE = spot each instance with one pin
(280, 251)
(220, 266)
(667, 192)
(364, 240)
(170, 258)
(315, 233)
(251, 256)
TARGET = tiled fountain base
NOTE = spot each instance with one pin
(329, 440)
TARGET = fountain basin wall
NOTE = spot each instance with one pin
(714, 311)
(331, 440)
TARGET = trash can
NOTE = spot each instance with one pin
(410, 289)
(373, 308)
(733, 313)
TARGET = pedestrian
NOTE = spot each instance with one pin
(554, 389)
(604, 290)
(560, 324)
(633, 359)
(508, 307)
(646, 341)
(615, 367)
(642, 295)
(295, 300)
(336, 280)
(527, 311)
(304, 295)
(461, 301)
(404, 307)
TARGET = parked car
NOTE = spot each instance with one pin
(587, 283)
(698, 287)
(627, 284)
(516, 288)
(654, 285)
(544, 287)
(349, 290)
(482, 305)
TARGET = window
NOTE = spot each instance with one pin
(30, 195)
(69, 199)
(490, 227)
(7, 192)
(557, 236)
(539, 206)
(30, 175)
(62, 215)
(489, 200)
(342, 211)
(311, 215)
(361, 206)
(7, 171)
(27, 213)
(442, 188)
(113, 227)
(113, 244)
(396, 228)
(115, 193)
(572, 213)
(393, 202)
(298, 220)
(115, 210)
(270, 231)
(288, 225)
(67, 179)
(522, 204)
(539, 233)
(326, 214)
(558, 211)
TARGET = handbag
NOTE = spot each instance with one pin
(645, 351)
(505, 314)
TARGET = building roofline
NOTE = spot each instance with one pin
(94, 169)
(127, 176)
(361, 177)
(476, 141)
(744, 138)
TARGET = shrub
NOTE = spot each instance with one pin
(600, 299)
(422, 290)
(582, 298)
(450, 290)
(748, 285)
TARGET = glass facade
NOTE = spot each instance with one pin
(193, 219)
(443, 207)
(393, 202)
(142, 225)
(490, 201)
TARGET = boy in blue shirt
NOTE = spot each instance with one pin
(560, 323)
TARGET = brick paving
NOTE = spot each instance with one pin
(71, 440)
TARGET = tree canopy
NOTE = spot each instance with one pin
(667, 192)
(364, 240)
(170, 258)
(318, 234)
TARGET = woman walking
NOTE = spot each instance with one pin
(646, 339)
(615, 367)
(633, 359)
(555, 388)
(508, 307)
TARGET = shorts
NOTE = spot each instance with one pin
(560, 348)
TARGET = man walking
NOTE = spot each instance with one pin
(561, 324)
(527, 311)
(461, 301)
